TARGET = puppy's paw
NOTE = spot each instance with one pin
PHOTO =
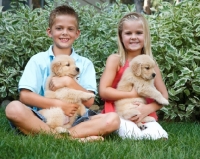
(67, 126)
(86, 96)
(163, 101)
(61, 130)
(142, 127)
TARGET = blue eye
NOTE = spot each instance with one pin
(70, 29)
(139, 32)
(128, 33)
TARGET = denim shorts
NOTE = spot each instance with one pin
(78, 120)
(40, 116)
(85, 117)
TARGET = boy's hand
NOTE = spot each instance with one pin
(59, 82)
(68, 108)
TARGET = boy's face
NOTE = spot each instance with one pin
(64, 31)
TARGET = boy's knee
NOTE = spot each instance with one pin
(13, 109)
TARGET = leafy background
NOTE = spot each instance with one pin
(175, 31)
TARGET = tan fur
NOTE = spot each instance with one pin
(64, 65)
(140, 75)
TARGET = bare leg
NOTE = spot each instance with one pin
(25, 120)
(98, 125)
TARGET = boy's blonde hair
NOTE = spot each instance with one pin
(147, 37)
(62, 10)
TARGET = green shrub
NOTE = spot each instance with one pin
(175, 42)
(22, 34)
(176, 37)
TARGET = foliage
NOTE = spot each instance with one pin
(22, 34)
(175, 34)
(176, 37)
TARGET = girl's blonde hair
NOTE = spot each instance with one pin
(147, 37)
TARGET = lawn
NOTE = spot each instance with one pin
(183, 143)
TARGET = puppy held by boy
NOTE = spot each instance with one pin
(64, 65)
(139, 75)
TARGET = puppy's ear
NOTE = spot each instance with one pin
(57, 68)
(136, 67)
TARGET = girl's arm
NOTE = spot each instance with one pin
(146, 109)
(105, 87)
(159, 84)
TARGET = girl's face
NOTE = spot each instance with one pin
(133, 36)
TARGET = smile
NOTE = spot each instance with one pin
(64, 39)
(134, 42)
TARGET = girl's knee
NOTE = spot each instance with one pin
(114, 117)
(112, 120)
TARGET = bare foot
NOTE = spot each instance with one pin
(91, 139)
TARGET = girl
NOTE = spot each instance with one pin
(133, 40)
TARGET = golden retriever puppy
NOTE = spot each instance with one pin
(64, 65)
(140, 75)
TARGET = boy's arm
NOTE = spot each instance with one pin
(32, 99)
(86, 82)
(71, 83)
(76, 86)
(32, 83)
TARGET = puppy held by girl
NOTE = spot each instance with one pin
(140, 76)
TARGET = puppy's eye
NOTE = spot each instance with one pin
(147, 68)
(67, 64)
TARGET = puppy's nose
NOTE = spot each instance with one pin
(77, 69)
(153, 75)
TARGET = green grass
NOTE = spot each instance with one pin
(183, 143)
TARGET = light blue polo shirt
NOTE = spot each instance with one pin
(38, 69)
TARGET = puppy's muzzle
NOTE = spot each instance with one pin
(153, 75)
(77, 69)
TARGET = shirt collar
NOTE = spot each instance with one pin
(50, 52)
(74, 55)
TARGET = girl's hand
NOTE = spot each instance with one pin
(59, 82)
(134, 94)
(142, 108)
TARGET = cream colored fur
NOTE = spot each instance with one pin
(64, 65)
(140, 75)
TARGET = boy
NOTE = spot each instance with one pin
(63, 29)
